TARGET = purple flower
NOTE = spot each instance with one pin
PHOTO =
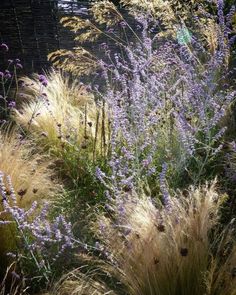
(19, 66)
(43, 80)
(7, 74)
(4, 47)
(44, 234)
(12, 104)
(123, 24)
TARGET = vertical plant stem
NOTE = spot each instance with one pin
(103, 128)
(96, 135)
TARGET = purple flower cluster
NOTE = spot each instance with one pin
(43, 80)
(4, 47)
(43, 239)
(7, 77)
(166, 101)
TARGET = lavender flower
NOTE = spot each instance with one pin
(19, 66)
(43, 80)
(4, 47)
(40, 236)
(12, 104)
(164, 104)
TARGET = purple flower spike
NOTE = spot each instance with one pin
(43, 80)
(4, 47)
(12, 104)
(19, 66)
(8, 76)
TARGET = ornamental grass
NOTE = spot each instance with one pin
(62, 114)
(153, 249)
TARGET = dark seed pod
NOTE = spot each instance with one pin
(83, 145)
(184, 252)
(22, 192)
(185, 193)
(127, 188)
(8, 193)
(161, 227)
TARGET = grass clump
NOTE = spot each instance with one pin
(64, 118)
(31, 173)
(150, 249)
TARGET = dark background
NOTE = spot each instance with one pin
(32, 30)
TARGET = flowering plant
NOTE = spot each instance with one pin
(8, 78)
(40, 240)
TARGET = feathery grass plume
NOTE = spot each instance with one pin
(63, 114)
(30, 173)
(78, 25)
(153, 250)
(80, 61)
(105, 12)
(172, 19)
(77, 283)
(68, 61)
(59, 87)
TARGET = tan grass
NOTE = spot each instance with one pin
(170, 251)
(77, 283)
(30, 173)
(174, 251)
(63, 113)
(59, 87)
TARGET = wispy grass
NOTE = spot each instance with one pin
(165, 251)
(64, 117)
(30, 172)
